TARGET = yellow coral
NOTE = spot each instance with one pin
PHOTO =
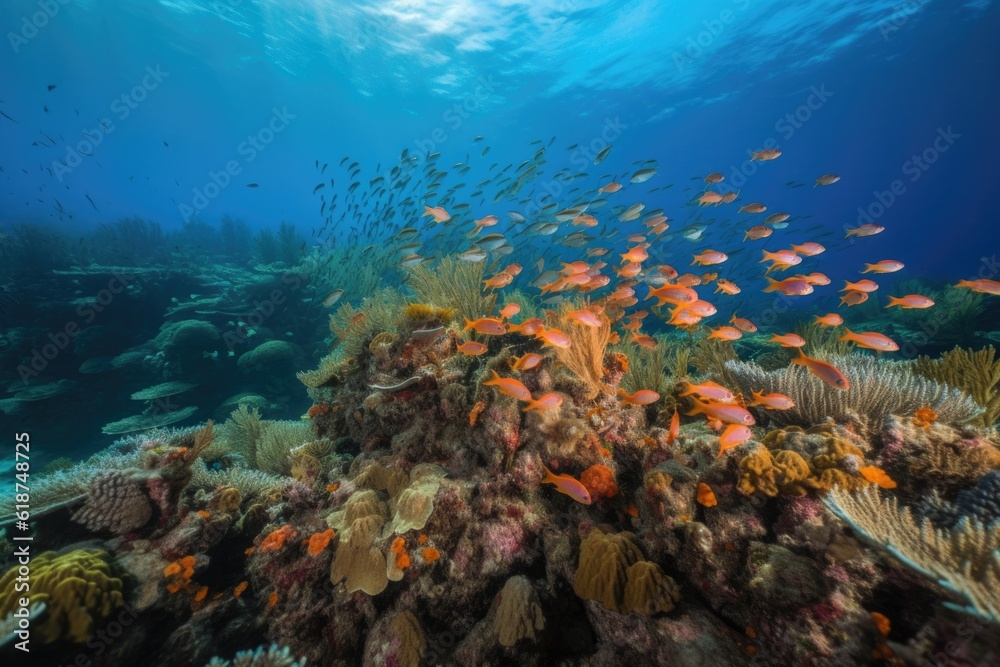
(77, 588)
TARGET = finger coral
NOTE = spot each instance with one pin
(78, 589)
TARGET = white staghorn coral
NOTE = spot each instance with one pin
(878, 389)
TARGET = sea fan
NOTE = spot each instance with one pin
(878, 389)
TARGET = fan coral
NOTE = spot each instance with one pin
(78, 589)
(585, 355)
(114, 503)
(964, 560)
(975, 372)
(453, 284)
(878, 389)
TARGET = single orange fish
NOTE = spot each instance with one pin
(705, 496)
(509, 386)
(727, 413)
(437, 212)
(793, 286)
(472, 348)
(871, 340)
(610, 188)
(568, 486)
(727, 287)
(489, 326)
(513, 269)
(585, 317)
(733, 436)
(885, 266)
(865, 230)
(854, 298)
(710, 257)
(688, 280)
(527, 328)
(553, 338)
(642, 340)
(641, 397)
(860, 286)
(829, 320)
(788, 340)
(743, 324)
(675, 428)
(527, 361)
(809, 248)
(709, 390)
(773, 401)
(635, 255)
(910, 301)
(725, 333)
(510, 310)
(825, 371)
(499, 280)
(984, 286)
(549, 401)
(757, 233)
(753, 207)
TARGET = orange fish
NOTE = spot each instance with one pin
(885, 266)
(683, 318)
(499, 280)
(635, 255)
(488, 221)
(781, 259)
(727, 413)
(675, 294)
(727, 287)
(733, 436)
(549, 401)
(985, 286)
(527, 361)
(567, 485)
(815, 278)
(743, 324)
(871, 340)
(489, 326)
(610, 188)
(641, 397)
(642, 340)
(757, 233)
(688, 280)
(726, 333)
(472, 348)
(513, 269)
(705, 496)
(632, 511)
(474, 413)
(789, 286)
(826, 372)
(510, 310)
(910, 301)
(860, 286)
(709, 390)
(509, 386)
(585, 317)
(438, 213)
(553, 338)
(527, 328)
(675, 428)
(788, 340)
(586, 220)
(809, 249)
(766, 154)
(700, 308)
(709, 197)
(709, 257)
(715, 177)
(829, 320)
(854, 298)
(574, 268)
(773, 401)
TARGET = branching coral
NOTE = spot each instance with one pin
(264, 656)
(878, 389)
(965, 561)
(356, 326)
(585, 355)
(976, 372)
(453, 284)
(78, 589)
(278, 440)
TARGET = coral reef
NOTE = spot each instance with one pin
(976, 372)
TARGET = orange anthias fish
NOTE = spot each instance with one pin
(709, 197)
(527, 361)
(727, 413)
(635, 255)
(610, 188)
(675, 428)
(871, 340)
(853, 298)
(788, 340)
(984, 286)
(489, 326)
(726, 333)
(766, 154)
(865, 230)
(567, 485)
(860, 286)
(549, 401)
(641, 397)
(710, 257)
(809, 249)
(709, 390)
(528, 327)
(499, 280)
(773, 401)
(757, 233)
(553, 338)
(829, 320)
(509, 386)
(727, 287)
(733, 436)
(743, 324)
(510, 310)
(781, 260)
(642, 340)
(438, 213)
(789, 286)
(885, 266)
(753, 207)
(472, 348)
(825, 371)
(910, 301)
(585, 316)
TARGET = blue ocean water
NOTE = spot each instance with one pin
(188, 112)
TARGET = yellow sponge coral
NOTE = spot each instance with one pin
(78, 589)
